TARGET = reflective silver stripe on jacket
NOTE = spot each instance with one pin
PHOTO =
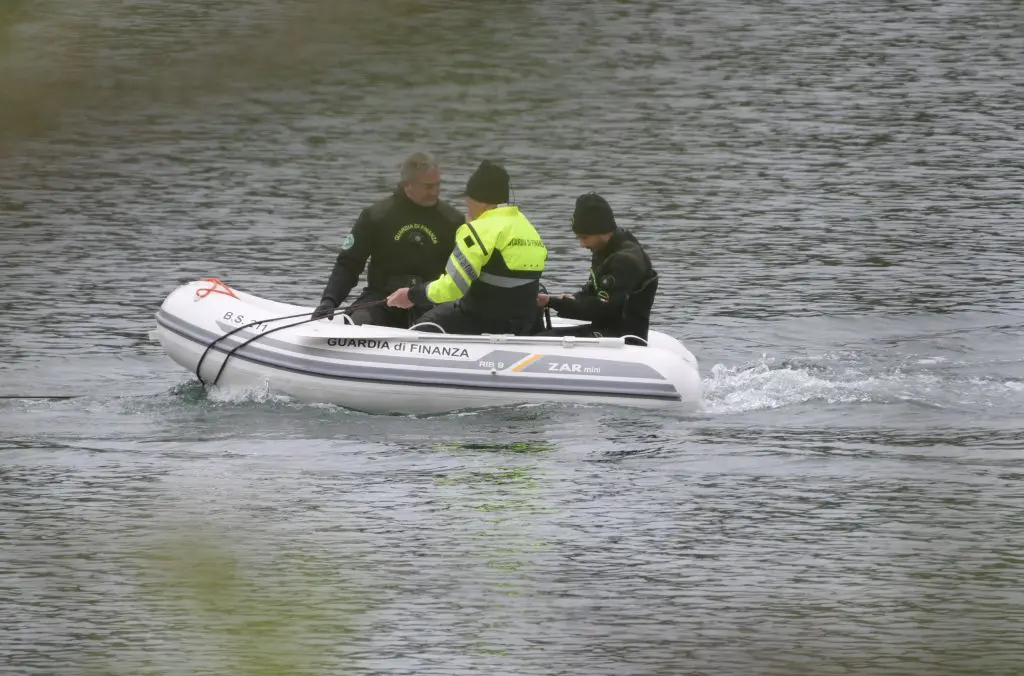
(503, 281)
(467, 267)
(453, 271)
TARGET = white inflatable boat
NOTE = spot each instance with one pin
(233, 339)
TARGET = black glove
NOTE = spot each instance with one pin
(325, 309)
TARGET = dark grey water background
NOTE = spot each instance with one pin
(832, 194)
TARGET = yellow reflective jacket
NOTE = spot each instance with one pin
(498, 260)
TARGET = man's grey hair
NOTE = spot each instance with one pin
(416, 164)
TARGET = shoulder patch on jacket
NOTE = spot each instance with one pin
(469, 241)
(348, 242)
(607, 282)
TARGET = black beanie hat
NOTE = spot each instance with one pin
(488, 184)
(592, 215)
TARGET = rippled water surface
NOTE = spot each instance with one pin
(831, 193)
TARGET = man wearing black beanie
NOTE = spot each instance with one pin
(618, 296)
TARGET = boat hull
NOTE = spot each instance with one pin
(387, 370)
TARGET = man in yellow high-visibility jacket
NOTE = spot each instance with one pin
(492, 278)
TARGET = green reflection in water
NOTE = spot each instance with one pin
(508, 500)
(527, 447)
(255, 607)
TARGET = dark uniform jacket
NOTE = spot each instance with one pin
(404, 242)
(618, 296)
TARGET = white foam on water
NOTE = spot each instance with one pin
(771, 384)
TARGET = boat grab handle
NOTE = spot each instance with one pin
(440, 328)
(635, 337)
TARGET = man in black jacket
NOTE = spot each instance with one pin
(407, 238)
(618, 296)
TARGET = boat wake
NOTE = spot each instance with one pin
(930, 383)
(193, 392)
(831, 382)
(768, 383)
